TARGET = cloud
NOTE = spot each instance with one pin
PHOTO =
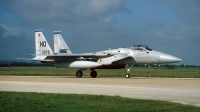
(185, 24)
(9, 32)
(176, 32)
(65, 11)
(98, 7)
(2, 31)
(88, 21)
(93, 16)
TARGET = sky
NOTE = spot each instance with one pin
(169, 26)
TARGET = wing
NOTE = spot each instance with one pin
(66, 57)
(110, 60)
(104, 59)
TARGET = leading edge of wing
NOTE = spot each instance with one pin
(79, 55)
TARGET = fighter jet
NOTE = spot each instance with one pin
(123, 57)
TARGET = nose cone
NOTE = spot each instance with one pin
(165, 58)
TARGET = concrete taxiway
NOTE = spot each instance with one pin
(181, 90)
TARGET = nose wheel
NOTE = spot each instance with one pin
(127, 75)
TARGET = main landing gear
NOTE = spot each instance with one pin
(79, 73)
(93, 73)
(127, 69)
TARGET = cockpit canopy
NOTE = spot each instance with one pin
(140, 47)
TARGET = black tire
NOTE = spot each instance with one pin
(79, 73)
(127, 75)
(93, 74)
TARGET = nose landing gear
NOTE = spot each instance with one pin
(127, 69)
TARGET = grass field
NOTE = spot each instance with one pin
(16, 101)
(21, 102)
(180, 72)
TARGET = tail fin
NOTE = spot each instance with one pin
(59, 44)
(41, 45)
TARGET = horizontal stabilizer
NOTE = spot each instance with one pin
(46, 60)
(35, 59)
(32, 54)
(22, 59)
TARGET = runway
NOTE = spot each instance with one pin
(181, 90)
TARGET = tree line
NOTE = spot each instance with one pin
(21, 64)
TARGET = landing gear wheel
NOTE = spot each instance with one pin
(79, 73)
(93, 74)
(127, 75)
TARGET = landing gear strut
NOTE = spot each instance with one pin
(127, 69)
(93, 73)
(79, 73)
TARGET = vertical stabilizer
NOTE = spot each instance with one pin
(41, 45)
(59, 44)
